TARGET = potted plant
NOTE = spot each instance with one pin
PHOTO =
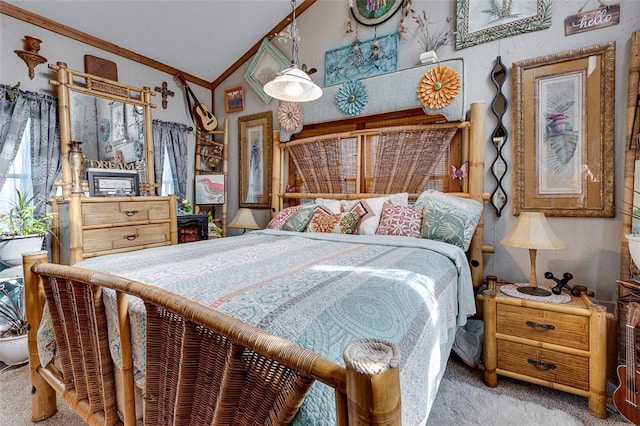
(21, 230)
(13, 322)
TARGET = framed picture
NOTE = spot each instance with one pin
(563, 133)
(113, 182)
(265, 65)
(209, 189)
(234, 99)
(255, 151)
(479, 21)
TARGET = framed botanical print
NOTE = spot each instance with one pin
(255, 153)
(563, 133)
(479, 21)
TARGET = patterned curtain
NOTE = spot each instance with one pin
(44, 143)
(174, 137)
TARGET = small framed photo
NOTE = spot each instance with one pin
(210, 189)
(113, 183)
(234, 99)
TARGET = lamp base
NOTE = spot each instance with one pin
(534, 291)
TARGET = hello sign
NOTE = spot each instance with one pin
(592, 20)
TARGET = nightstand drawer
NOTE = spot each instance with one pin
(97, 240)
(545, 326)
(115, 213)
(544, 364)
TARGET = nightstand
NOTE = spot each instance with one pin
(561, 346)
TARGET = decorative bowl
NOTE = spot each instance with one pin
(634, 248)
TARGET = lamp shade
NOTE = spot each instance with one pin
(293, 85)
(244, 220)
(532, 231)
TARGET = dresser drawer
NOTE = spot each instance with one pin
(115, 213)
(544, 364)
(97, 240)
(558, 328)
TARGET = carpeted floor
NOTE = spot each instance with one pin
(474, 407)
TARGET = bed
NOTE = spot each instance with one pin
(292, 324)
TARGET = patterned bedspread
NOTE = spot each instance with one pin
(320, 291)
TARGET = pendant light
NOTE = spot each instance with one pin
(293, 84)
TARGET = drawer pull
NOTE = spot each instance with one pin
(539, 365)
(131, 237)
(540, 327)
(130, 212)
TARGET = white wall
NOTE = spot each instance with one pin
(593, 256)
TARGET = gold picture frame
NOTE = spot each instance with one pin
(564, 133)
(255, 153)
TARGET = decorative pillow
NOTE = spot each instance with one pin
(400, 220)
(333, 205)
(341, 223)
(369, 210)
(449, 218)
(278, 220)
(299, 219)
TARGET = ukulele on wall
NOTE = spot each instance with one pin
(625, 397)
(199, 112)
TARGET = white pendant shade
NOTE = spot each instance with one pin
(532, 231)
(293, 85)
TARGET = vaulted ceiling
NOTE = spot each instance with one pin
(202, 38)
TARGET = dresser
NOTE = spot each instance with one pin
(561, 346)
(95, 226)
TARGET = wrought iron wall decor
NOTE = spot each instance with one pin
(499, 136)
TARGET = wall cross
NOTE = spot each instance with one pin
(165, 92)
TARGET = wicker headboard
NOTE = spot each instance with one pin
(374, 162)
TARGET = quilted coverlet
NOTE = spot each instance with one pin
(320, 291)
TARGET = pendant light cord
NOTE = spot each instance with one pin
(294, 35)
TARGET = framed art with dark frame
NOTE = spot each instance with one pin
(113, 182)
(255, 153)
(234, 99)
(477, 23)
(264, 67)
(563, 133)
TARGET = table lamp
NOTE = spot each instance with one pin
(532, 231)
(244, 219)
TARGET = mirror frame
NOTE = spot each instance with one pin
(69, 81)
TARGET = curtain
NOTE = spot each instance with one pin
(173, 136)
(44, 143)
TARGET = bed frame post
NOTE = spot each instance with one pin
(373, 382)
(276, 174)
(43, 396)
(476, 187)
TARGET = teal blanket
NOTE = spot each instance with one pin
(320, 291)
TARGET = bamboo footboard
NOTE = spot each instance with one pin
(203, 367)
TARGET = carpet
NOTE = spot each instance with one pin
(462, 401)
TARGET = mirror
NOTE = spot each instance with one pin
(110, 131)
(112, 121)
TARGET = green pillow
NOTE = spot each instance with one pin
(298, 220)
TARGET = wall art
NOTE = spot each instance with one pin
(563, 133)
(372, 57)
(234, 99)
(479, 21)
(265, 65)
(255, 134)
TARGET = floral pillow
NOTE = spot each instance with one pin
(299, 219)
(449, 218)
(279, 220)
(341, 223)
(400, 220)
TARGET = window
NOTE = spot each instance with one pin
(167, 177)
(19, 174)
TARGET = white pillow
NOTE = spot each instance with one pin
(370, 210)
(333, 206)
